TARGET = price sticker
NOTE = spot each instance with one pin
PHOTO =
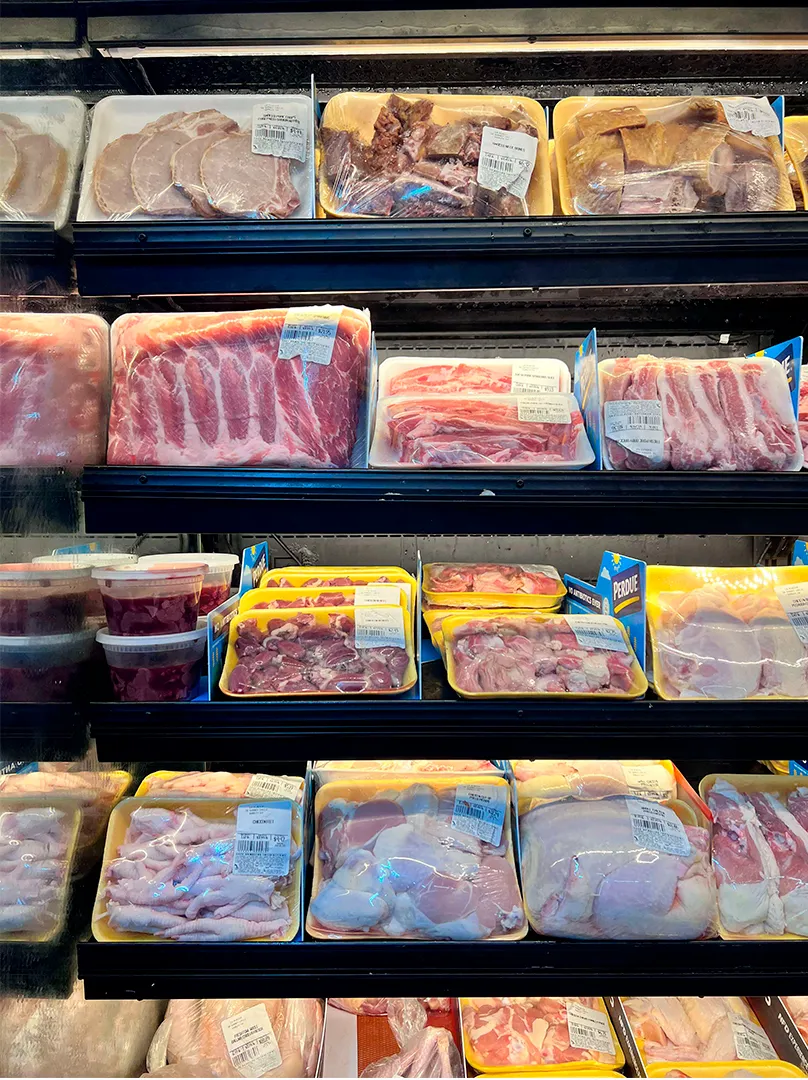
(264, 786)
(309, 334)
(589, 1029)
(279, 129)
(636, 425)
(752, 115)
(794, 598)
(544, 409)
(751, 1041)
(263, 841)
(251, 1043)
(597, 632)
(379, 627)
(376, 594)
(534, 377)
(506, 160)
(479, 810)
(656, 828)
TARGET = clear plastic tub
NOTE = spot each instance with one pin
(89, 561)
(164, 667)
(51, 667)
(216, 585)
(161, 600)
(42, 598)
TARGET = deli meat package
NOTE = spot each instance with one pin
(216, 869)
(199, 156)
(669, 155)
(536, 1033)
(616, 867)
(760, 854)
(41, 140)
(674, 413)
(237, 1037)
(429, 857)
(434, 155)
(54, 389)
(728, 632)
(270, 387)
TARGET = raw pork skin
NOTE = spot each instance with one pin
(210, 389)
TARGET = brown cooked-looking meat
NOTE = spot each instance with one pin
(646, 147)
(606, 121)
(596, 173)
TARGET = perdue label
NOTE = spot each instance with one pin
(626, 592)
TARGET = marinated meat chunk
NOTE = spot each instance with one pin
(596, 172)
(608, 121)
(447, 140)
(646, 147)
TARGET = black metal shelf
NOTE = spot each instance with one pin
(42, 731)
(132, 499)
(35, 257)
(160, 257)
(452, 969)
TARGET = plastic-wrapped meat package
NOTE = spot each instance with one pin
(733, 414)
(402, 375)
(433, 155)
(760, 855)
(416, 766)
(339, 577)
(54, 389)
(379, 1006)
(709, 1029)
(483, 431)
(535, 1032)
(214, 870)
(270, 387)
(526, 654)
(802, 416)
(669, 155)
(238, 1037)
(222, 784)
(727, 633)
(796, 138)
(798, 1009)
(425, 1051)
(478, 585)
(582, 779)
(429, 859)
(37, 845)
(615, 868)
(48, 1036)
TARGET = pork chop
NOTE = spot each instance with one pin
(151, 174)
(39, 177)
(240, 183)
(185, 171)
(9, 163)
(112, 177)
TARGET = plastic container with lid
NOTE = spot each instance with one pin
(48, 667)
(42, 598)
(89, 561)
(160, 600)
(219, 574)
(156, 667)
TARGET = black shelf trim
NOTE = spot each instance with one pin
(42, 730)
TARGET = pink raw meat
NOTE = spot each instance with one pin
(492, 578)
(210, 389)
(451, 379)
(803, 413)
(788, 841)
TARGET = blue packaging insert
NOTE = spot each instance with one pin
(619, 591)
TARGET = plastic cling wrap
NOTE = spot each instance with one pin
(218, 784)
(616, 868)
(335, 577)
(470, 375)
(316, 596)
(514, 654)
(433, 155)
(418, 766)
(551, 780)
(498, 585)
(209, 870)
(425, 1050)
(427, 857)
(480, 431)
(796, 136)
(760, 854)
(54, 388)
(546, 1035)
(674, 413)
(271, 387)
(668, 155)
(728, 632)
(238, 1037)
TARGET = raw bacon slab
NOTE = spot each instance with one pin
(210, 389)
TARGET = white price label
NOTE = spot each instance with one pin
(376, 594)
(589, 1029)
(479, 810)
(794, 598)
(280, 129)
(379, 627)
(637, 425)
(656, 828)
(506, 160)
(264, 786)
(309, 334)
(251, 1042)
(534, 377)
(648, 781)
(263, 841)
(751, 1041)
(597, 632)
(544, 409)
(753, 115)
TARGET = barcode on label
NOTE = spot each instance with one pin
(250, 846)
(506, 166)
(251, 1042)
(377, 626)
(506, 160)
(263, 840)
(641, 420)
(272, 133)
(309, 334)
(250, 1051)
(479, 810)
(647, 823)
(657, 828)
(589, 1029)
(751, 1042)
(794, 598)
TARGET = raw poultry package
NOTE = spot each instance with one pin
(470, 375)
(618, 867)
(335, 577)
(199, 156)
(271, 387)
(237, 1037)
(54, 389)
(323, 596)
(675, 413)
(728, 632)
(342, 650)
(215, 870)
(433, 155)
(798, 1011)
(41, 140)
(542, 431)
(669, 155)
(672, 1031)
(37, 846)
(51, 1036)
(418, 857)
(493, 585)
(330, 770)
(582, 779)
(760, 854)
(527, 654)
(220, 784)
(796, 136)
(539, 1036)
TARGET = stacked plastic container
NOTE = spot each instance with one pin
(218, 576)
